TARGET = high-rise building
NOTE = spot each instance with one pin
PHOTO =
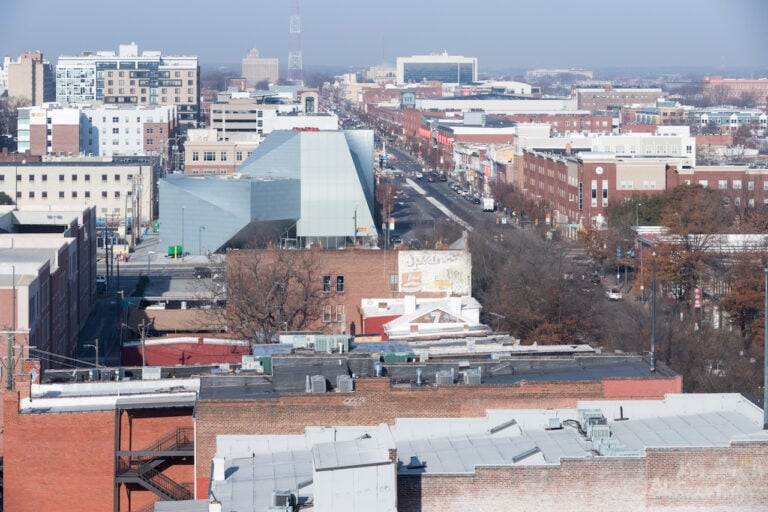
(257, 69)
(127, 78)
(32, 78)
(443, 68)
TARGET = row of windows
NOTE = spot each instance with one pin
(74, 195)
(339, 284)
(62, 177)
(210, 156)
(329, 310)
(735, 184)
(176, 74)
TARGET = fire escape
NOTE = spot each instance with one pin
(145, 467)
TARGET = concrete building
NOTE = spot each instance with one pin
(121, 194)
(31, 77)
(47, 282)
(127, 78)
(259, 69)
(206, 153)
(313, 186)
(436, 68)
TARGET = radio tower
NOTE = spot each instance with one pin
(295, 72)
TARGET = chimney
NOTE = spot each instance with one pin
(409, 304)
(218, 468)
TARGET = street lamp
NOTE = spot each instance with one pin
(637, 233)
(182, 234)
(653, 313)
(142, 332)
(200, 229)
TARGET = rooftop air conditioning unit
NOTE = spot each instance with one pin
(472, 377)
(444, 378)
(283, 500)
(345, 384)
(317, 384)
(251, 363)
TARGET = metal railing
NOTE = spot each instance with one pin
(165, 485)
(174, 440)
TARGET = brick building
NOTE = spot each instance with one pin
(610, 97)
(722, 90)
(132, 423)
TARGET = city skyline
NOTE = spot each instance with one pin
(502, 35)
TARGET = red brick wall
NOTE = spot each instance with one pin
(372, 403)
(65, 138)
(692, 479)
(642, 388)
(63, 459)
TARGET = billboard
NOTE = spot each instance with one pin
(435, 271)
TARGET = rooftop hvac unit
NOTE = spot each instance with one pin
(317, 384)
(585, 415)
(151, 372)
(283, 500)
(444, 378)
(107, 375)
(472, 377)
(345, 384)
(251, 363)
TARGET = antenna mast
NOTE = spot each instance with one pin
(295, 71)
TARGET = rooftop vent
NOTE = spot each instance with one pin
(473, 377)
(444, 378)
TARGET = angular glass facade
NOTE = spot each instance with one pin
(445, 72)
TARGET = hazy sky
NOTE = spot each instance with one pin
(502, 34)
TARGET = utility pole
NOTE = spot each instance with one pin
(143, 328)
(653, 313)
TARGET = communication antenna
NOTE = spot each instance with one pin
(295, 71)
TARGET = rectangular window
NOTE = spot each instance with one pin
(209, 156)
(722, 184)
(45, 177)
(327, 284)
(750, 185)
(394, 283)
(87, 193)
(104, 194)
(61, 177)
(61, 194)
(327, 311)
(31, 195)
(704, 183)
(74, 177)
(87, 177)
(115, 131)
(150, 130)
(195, 156)
(103, 177)
(117, 194)
(74, 194)
(150, 142)
(45, 195)
(117, 177)
(339, 284)
(223, 156)
(736, 184)
(18, 194)
(339, 312)
(239, 156)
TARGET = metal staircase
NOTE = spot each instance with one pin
(144, 467)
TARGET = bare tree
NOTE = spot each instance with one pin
(268, 291)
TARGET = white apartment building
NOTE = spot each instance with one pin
(115, 130)
(666, 141)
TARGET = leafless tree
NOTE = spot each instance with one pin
(272, 290)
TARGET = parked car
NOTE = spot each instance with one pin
(613, 294)
(101, 279)
(395, 239)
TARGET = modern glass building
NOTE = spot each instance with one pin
(304, 186)
(438, 68)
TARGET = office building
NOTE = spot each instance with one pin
(437, 68)
(31, 77)
(259, 69)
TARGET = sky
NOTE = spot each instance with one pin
(356, 34)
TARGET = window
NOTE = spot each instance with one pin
(74, 177)
(339, 312)
(87, 194)
(150, 130)
(736, 184)
(31, 195)
(45, 177)
(327, 284)
(117, 177)
(150, 142)
(87, 177)
(115, 119)
(61, 177)
(704, 183)
(104, 194)
(339, 284)
(394, 283)
(115, 131)
(750, 185)
(18, 194)
(722, 184)
(195, 156)
(74, 194)
(223, 156)
(45, 195)
(103, 177)
(209, 156)
(239, 156)
(61, 194)
(327, 313)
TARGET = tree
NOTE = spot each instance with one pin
(712, 128)
(744, 300)
(273, 290)
(9, 113)
(5, 199)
